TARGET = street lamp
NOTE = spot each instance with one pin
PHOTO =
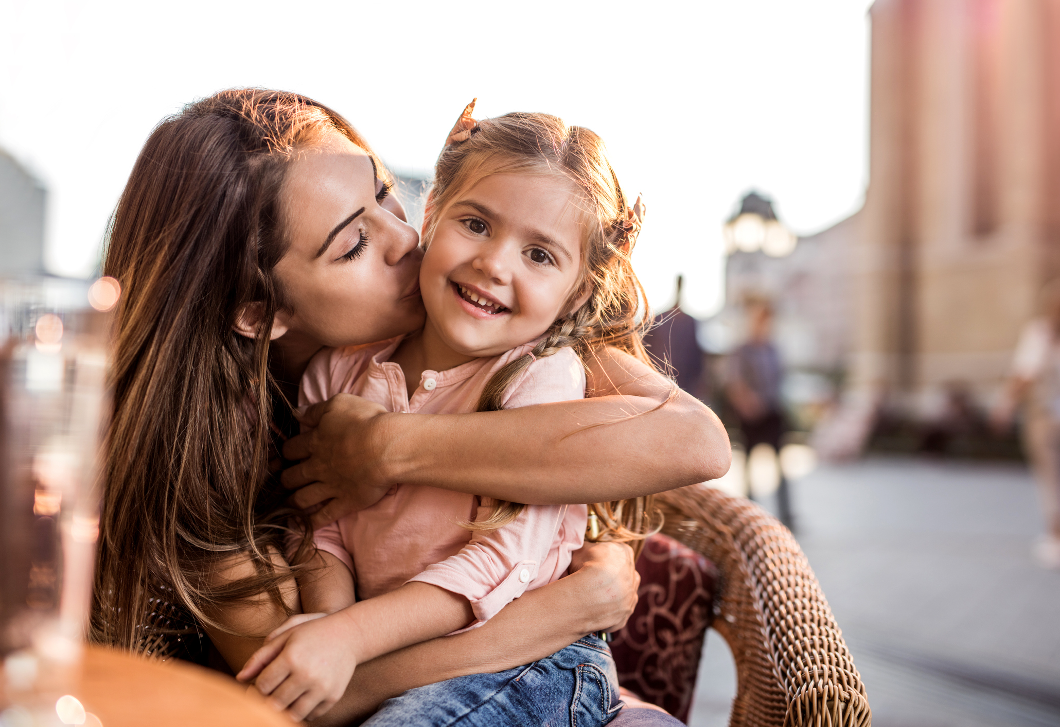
(756, 227)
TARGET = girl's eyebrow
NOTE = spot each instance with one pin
(477, 206)
(535, 235)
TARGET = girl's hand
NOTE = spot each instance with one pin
(304, 666)
(342, 461)
(610, 586)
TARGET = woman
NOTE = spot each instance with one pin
(1035, 382)
(241, 241)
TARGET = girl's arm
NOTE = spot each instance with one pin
(327, 585)
(306, 669)
(638, 435)
(599, 595)
(532, 627)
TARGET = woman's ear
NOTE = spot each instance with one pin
(249, 317)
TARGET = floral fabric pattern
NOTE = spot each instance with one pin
(658, 652)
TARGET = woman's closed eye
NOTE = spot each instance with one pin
(357, 250)
(384, 191)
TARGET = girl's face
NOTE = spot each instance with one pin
(504, 260)
(350, 275)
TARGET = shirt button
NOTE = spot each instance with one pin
(524, 575)
(429, 384)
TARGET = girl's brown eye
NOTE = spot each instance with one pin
(476, 226)
(539, 256)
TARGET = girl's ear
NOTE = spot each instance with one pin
(248, 321)
(580, 301)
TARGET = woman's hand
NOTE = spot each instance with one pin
(610, 585)
(343, 467)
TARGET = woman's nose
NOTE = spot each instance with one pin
(403, 240)
(492, 261)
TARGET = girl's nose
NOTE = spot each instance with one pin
(492, 261)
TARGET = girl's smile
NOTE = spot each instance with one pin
(503, 263)
(478, 302)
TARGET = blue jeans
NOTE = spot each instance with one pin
(577, 687)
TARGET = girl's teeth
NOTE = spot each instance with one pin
(473, 297)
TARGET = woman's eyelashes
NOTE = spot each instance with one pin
(357, 250)
(384, 191)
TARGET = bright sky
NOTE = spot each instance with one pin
(698, 102)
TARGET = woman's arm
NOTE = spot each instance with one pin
(599, 595)
(637, 436)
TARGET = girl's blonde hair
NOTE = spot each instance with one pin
(616, 313)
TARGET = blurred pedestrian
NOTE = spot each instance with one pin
(672, 341)
(753, 389)
(1035, 382)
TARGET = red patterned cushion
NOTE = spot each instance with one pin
(658, 652)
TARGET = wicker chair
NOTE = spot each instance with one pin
(792, 665)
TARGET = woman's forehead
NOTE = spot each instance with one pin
(325, 185)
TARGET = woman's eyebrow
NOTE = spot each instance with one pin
(338, 228)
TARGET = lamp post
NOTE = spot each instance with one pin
(756, 227)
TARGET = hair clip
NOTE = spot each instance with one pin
(634, 220)
(464, 127)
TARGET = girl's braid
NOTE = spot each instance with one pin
(575, 331)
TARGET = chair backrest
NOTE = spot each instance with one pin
(792, 666)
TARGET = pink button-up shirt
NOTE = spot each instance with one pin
(414, 532)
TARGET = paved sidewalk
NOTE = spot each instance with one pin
(927, 567)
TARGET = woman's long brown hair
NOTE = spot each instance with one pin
(195, 237)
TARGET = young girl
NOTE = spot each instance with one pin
(527, 236)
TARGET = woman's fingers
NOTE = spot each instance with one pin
(310, 416)
(614, 581)
(259, 661)
(298, 475)
(330, 512)
(630, 604)
(292, 622)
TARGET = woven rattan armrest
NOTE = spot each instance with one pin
(792, 665)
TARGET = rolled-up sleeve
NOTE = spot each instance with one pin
(329, 540)
(498, 566)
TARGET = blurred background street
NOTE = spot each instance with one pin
(927, 567)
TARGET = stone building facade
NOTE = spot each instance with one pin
(924, 290)
(961, 222)
(22, 201)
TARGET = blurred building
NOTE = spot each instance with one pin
(961, 223)
(21, 219)
(924, 290)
